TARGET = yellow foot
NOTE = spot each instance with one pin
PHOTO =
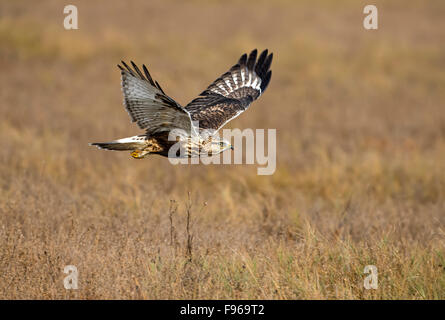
(139, 154)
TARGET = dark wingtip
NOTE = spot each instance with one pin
(137, 72)
(147, 74)
(128, 68)
(259, 65)
(263, 66)
(266, 80)
(243, 59)
(136, 68)
(263, 56)
(268, 62)
(252, 59)
(159, 87)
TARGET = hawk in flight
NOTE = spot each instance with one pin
(194, 126)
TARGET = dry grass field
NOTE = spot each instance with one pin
(360, 178)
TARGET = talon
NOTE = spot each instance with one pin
(138, 154)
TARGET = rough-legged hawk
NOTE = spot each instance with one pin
(194, 125)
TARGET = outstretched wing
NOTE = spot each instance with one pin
(233, 92)
(148, 105)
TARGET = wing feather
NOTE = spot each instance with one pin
(148, 105)
(233, 92)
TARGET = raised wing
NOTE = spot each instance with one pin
(233, 92)
(149, 106)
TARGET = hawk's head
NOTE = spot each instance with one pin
(216, 146)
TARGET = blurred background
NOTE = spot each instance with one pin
(360, 175)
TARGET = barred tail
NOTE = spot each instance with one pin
(125, 144)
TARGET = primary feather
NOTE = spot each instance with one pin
(233, 92)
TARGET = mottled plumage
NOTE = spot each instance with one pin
(159, 115)
(232, 93)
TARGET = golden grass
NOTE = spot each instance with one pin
(360, 176)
